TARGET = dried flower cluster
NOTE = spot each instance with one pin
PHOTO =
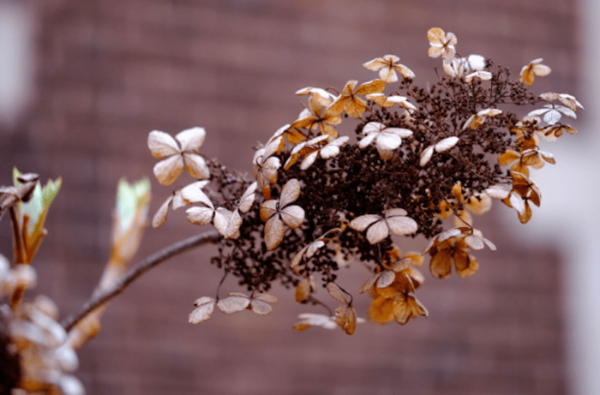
(421, 156)
(318, 202)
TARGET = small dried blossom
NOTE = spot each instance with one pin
(174, 202)
(265, 167)
(183, 150)
(480, 75)
(278, 213)
(390, 101)
(566, 99)
(394, 221)
(476, 120)
(460, 67)
(533, 69)
(551, 113)
(386, 139)
(321, 95)
(318, 117)
(521, 161)
(451, 248)
(441, 43)
(523, 191)
(206, 213)
(387, 67)
(350, 102)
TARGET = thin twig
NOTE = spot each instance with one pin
(147, 264)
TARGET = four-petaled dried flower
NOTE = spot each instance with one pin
(386, 139)
(317, 117)
(566, 99)
(265, 167)
(349, 101)
(551, 113)
(533, 69)
(452, 247)
(395, 221)
(206, 213)
(441, 43)
(523, 191)
(183, 150)
(476, 120)
(277, 213)
(522, 160)
(387, 67)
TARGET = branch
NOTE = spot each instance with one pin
(153, 260)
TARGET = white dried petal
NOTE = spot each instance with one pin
(266, 298)
(293, 216)
(446, 144)
(203, 311)
(260, 307)
(167, 170)
(191, 139)
(193, 194)
(247, 199)
(233, 304)
(402, 226)
(200, 215)
(386, 278)
(499, 191)
(221, 220)
(361, 223)
(162, 144)
(196, 166)
(426, 155)
(274, 232)
(377, 232)
(290, 192)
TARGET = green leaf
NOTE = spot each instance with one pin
(131, 199)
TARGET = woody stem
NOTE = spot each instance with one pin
(153, 260)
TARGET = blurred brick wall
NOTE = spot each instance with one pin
(110, 71)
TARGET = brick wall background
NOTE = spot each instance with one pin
(108, 72)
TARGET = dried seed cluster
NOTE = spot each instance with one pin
(321, 200)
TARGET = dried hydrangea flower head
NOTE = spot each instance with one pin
(412, 158)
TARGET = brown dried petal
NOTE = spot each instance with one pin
(336, 293)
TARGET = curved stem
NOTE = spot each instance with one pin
(153, 260)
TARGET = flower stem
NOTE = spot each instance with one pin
(153, 260)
